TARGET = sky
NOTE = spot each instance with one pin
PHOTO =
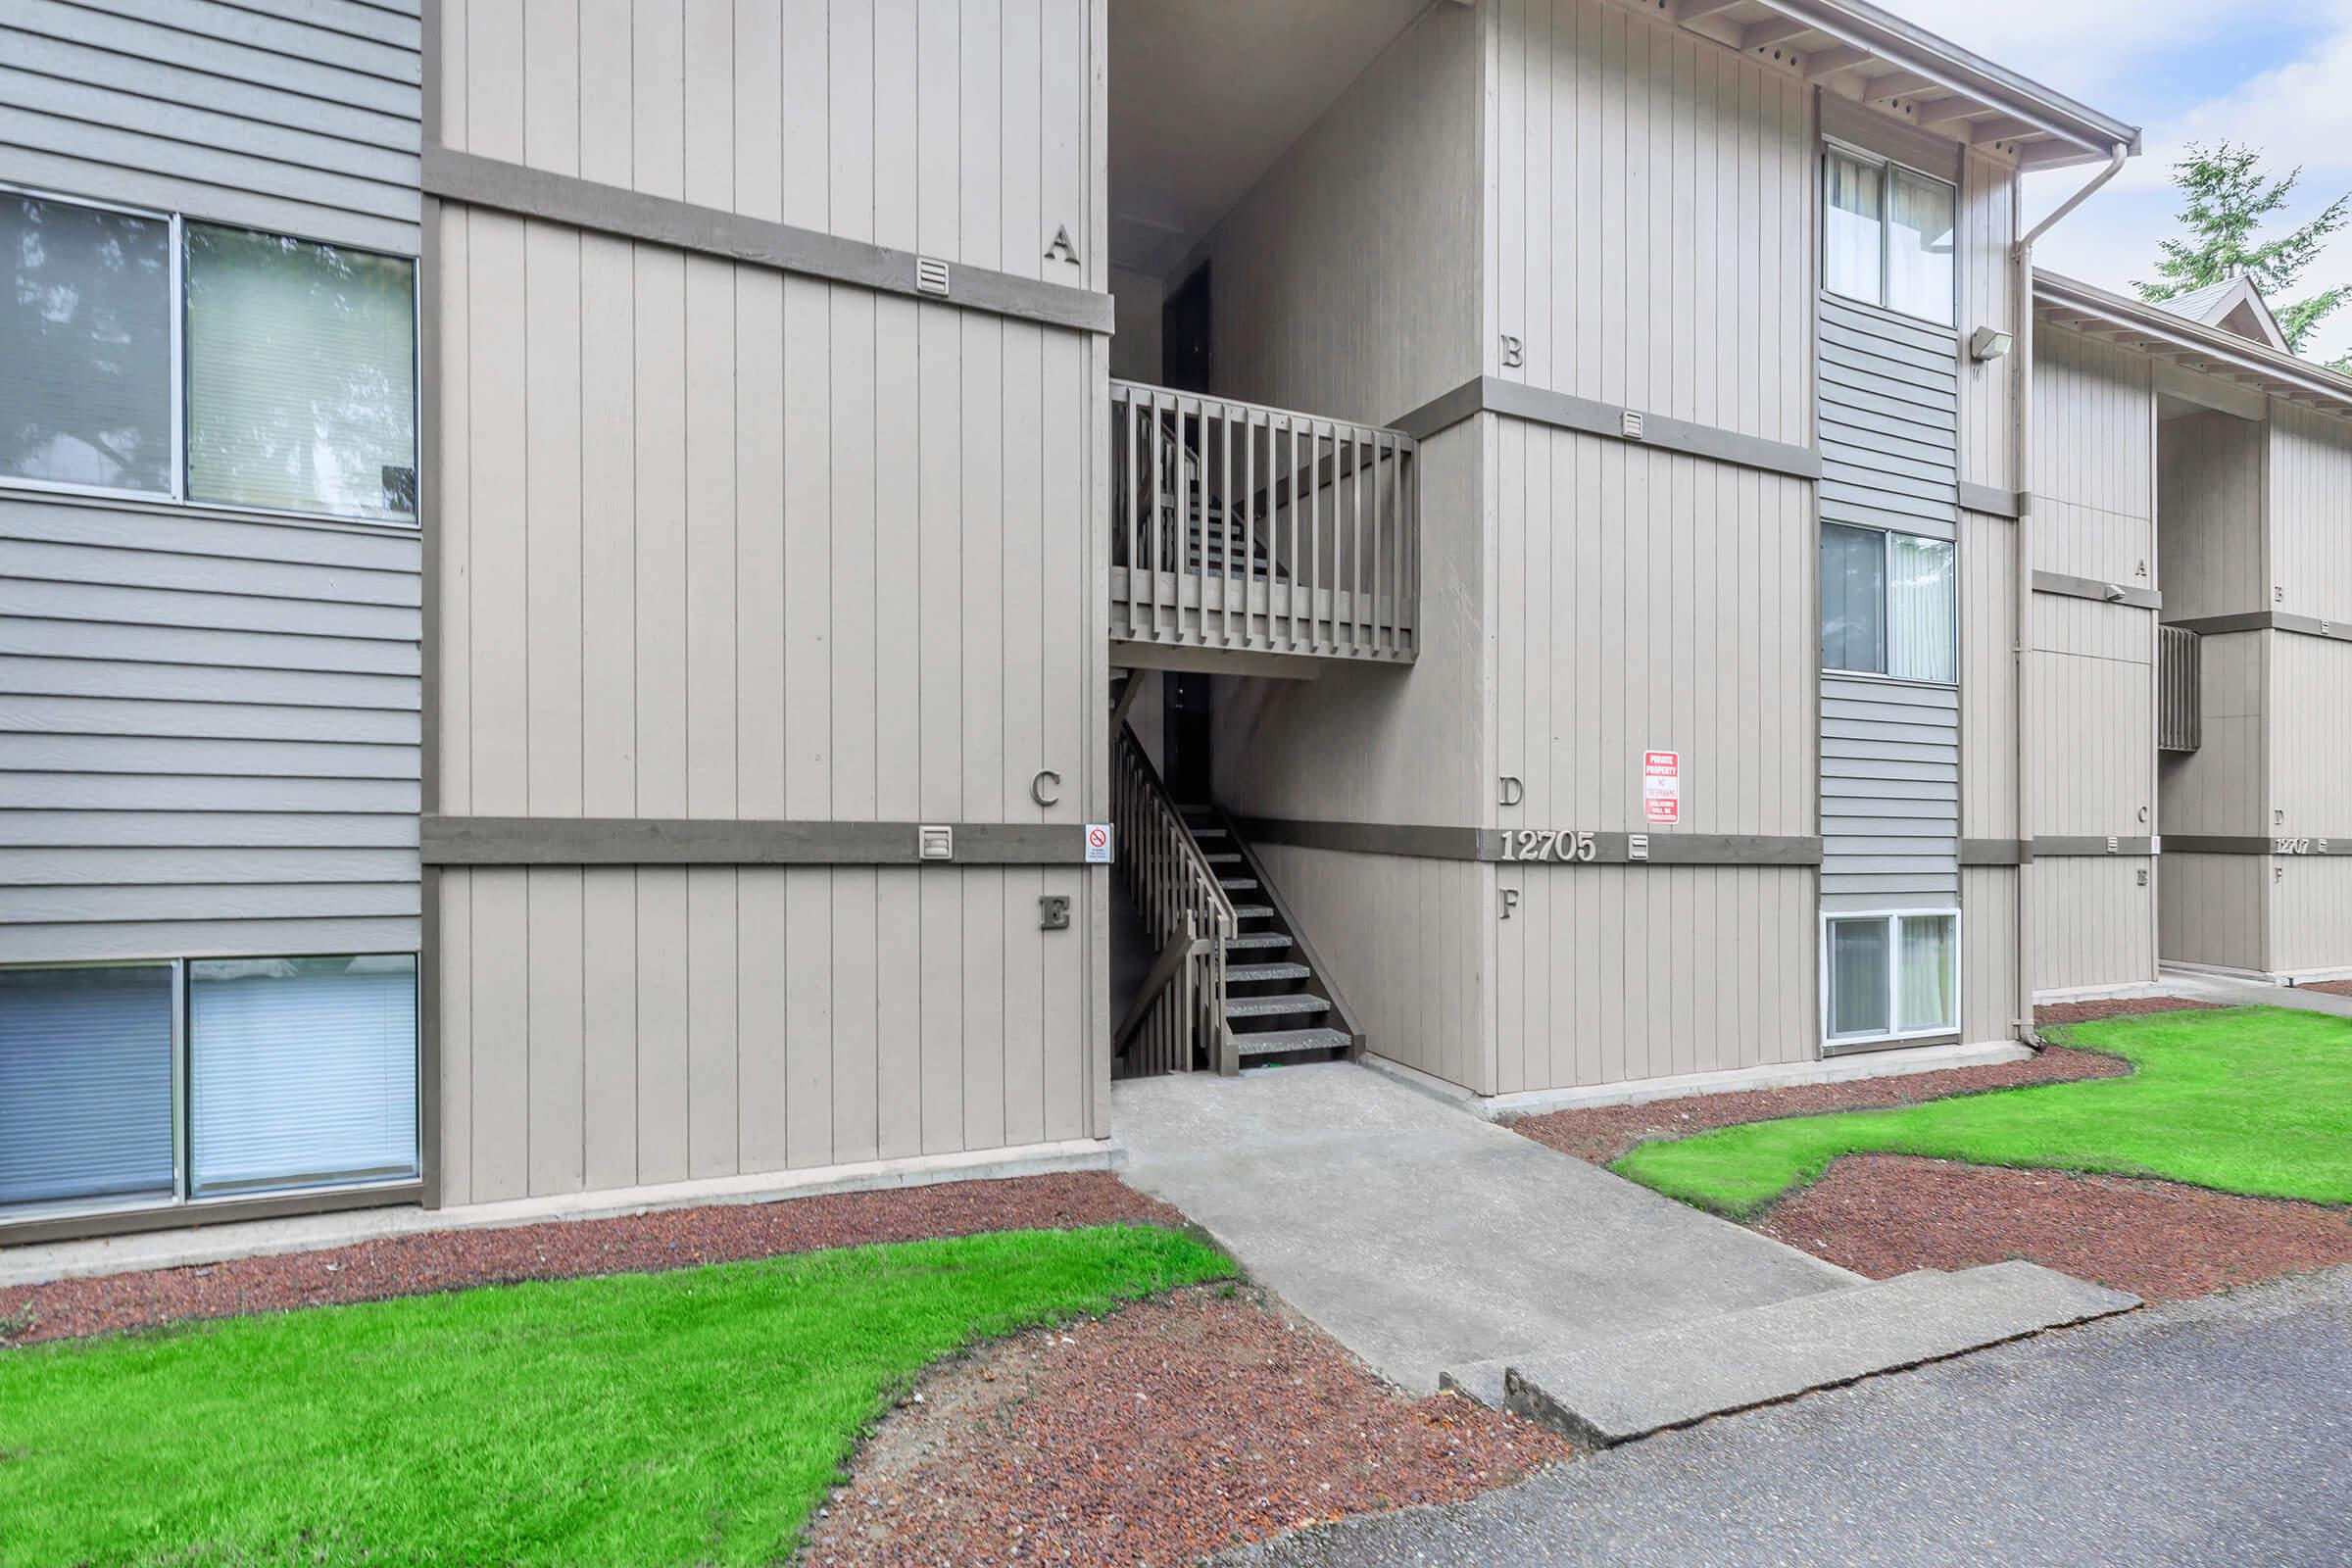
(2276, 77)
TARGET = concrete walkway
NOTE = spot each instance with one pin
(2229, 991)
(1425, 1239)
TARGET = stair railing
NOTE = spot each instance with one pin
(1179, 1015)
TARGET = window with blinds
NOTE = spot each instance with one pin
(85, 1085)
(302, 1072)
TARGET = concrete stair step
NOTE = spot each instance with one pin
(1274, 1007)
(1256, 938)
(1272, 1040)
(1613, 1393)
(1246, 973)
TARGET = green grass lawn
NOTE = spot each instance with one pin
(685, 1417)
(2251, 1100)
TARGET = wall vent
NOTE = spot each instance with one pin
(1630, 424)
(930, 275)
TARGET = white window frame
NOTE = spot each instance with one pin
(1820, 608)
(182, 1195)
(1833, 1043)
(1884, 164)
(177, 498)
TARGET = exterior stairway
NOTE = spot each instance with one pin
(1279, 1006)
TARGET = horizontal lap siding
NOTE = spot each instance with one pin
(301, 120)
(1649, 219)
(724, 543)
(209, 734)
(1889, 420)
(1889, 791)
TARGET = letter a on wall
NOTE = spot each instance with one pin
(1062, 249)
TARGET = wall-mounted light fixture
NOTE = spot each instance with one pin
(1987, 343)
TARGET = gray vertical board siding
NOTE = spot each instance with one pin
(1988, 204)
(2094, 924)
(2094, 461)
(1650, 214)
(1989, 988)
(2309, 691)
(302, 122)
(1890, 790)
(1988, 679)
(205, 714)
(848, 116)
(722, 543)
(2215, 909)
(2211, 524)
(2310, 477)
(1889, 420)
(1346, 279)
(2092, 720)
(2219, 788)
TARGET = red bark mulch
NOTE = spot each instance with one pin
(2333, 987)
(1600, 1134)
(2051, 1012)
(682, 1238)
(1162, 1433)
(1887, 1214)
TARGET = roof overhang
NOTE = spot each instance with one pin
(2213, 351)
(1862, 52)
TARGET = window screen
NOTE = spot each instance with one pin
(301, 1071)
(85, 346)
(1922, 639)
(301, 375)
(1919, 245)
(85, 1084)
(1851, 228)
(1858, 960)
(1853, 599)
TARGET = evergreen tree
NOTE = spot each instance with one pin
(2227, 198)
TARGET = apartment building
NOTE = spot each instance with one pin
(610, 595)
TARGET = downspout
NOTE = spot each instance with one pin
(2021, 462)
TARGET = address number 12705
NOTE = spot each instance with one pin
(1536, 844)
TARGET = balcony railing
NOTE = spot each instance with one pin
(1256, 530)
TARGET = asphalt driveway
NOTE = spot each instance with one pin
(2217, 1431)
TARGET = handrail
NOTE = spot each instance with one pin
(1177, 892)
(1237, 526)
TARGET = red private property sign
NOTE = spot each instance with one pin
(1662, 788)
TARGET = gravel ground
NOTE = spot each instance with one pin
(1887, 1214)
(1601, 1133)
(683, 1237)
(1162, 1431)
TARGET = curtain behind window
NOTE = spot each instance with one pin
(85, 1084)
(1858, 961)
(1919, 245)
(85, 346)
(1922, 635)
(301, 1071)
(1853, 599)
(1850, 224)
(1926, 983)
(301, 375)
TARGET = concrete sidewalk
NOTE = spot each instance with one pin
(2232, 991)
(1423, 1238)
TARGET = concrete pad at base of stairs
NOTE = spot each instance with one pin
(1421, 1237)
(1609, 1393)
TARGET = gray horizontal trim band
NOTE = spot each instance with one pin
(658, 219)
(2255, 844)
(2062, 846)
(1994, 503)
(2265, 620)
(178, 1216)
(1485, 843)
(1487, 394)
(709, 841)
(2112, 593)
(1992, 852)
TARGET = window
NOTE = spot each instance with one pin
(1888, 605)
(1890, 976)
(146, 354)
(85, 340)
(1887, 236)
(209, 1078)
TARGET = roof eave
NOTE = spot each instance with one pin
(2249, 362)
